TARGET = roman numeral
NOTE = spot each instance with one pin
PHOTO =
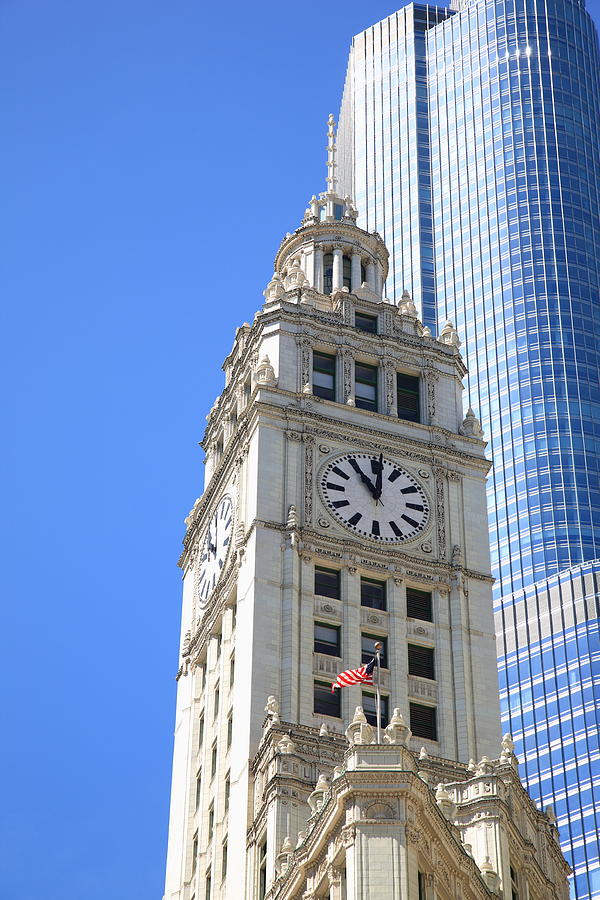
(354, 465)
(418, 506)
(410, 521)
(395, 529)
(395, 474)
(335, 487)
(228, 522)
(341, 473)
(355, 519)
(339, 503)
(375, 528)
(411, 489)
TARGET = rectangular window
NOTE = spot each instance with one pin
(198, 788)
(211, 821)
(324, 376)
(423, 721)
(224, 861)
(216, 702)
(231, 671)
(420, 661)
(194, 852)
(327, 639)
(233, 618)
(226, 792)
(409, 405)
(208, 891)
(213, 760)
(514, 884)
(201, 731)
(421, 886)
(372, 593)
(262, 870)
(366, 386)
(327, 583)
(367, 642)
(418, 604)
(326, 701)
(365, 322)
(229, 729)
(218, 643)
(369, 703)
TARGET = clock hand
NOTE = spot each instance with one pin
(379, 479)
(363, 477)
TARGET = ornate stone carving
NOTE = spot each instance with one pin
(390, 388)
(431, 378)
(449, 336)
(397, 732)
(359, 731)
(379, 811)
(308, 480)
(471, 426)
(347, 372)
(272, 710)
(305, 362)
(440, 511)
(265, 373)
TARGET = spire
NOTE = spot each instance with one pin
(331, 152)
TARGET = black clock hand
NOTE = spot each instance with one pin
(363, 477)
(379, 479)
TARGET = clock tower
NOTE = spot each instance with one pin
(344, 505)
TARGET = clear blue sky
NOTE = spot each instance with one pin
(153, 154)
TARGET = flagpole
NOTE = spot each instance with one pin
(378, 648)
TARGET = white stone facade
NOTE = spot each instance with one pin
(269, 436)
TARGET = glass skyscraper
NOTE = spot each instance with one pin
(470, 139)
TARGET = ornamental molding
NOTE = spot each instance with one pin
(309, 452)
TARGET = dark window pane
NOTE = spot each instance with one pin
(327, 639)
(347, 272)
(366, 386)
(324, 376)
(369, 703)
(365, 322)
(418, 604)
(423, 721)
(368, 642)
(327, 583)
(408, 397)
(338, 211)
(327, 273)
(372, 593)
(420, 661)
(327, 703)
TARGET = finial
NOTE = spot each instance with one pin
(331, 152)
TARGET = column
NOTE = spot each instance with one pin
(371, 275)
(355, 272)
(398, 641)
(338, 268)
(308, 265)
(378, 285)
(318, 270)
(351, 645)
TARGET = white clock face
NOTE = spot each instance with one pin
(214, 548)
(375, 497)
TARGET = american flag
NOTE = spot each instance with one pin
(362, 675)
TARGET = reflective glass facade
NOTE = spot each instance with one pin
(470, 139)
